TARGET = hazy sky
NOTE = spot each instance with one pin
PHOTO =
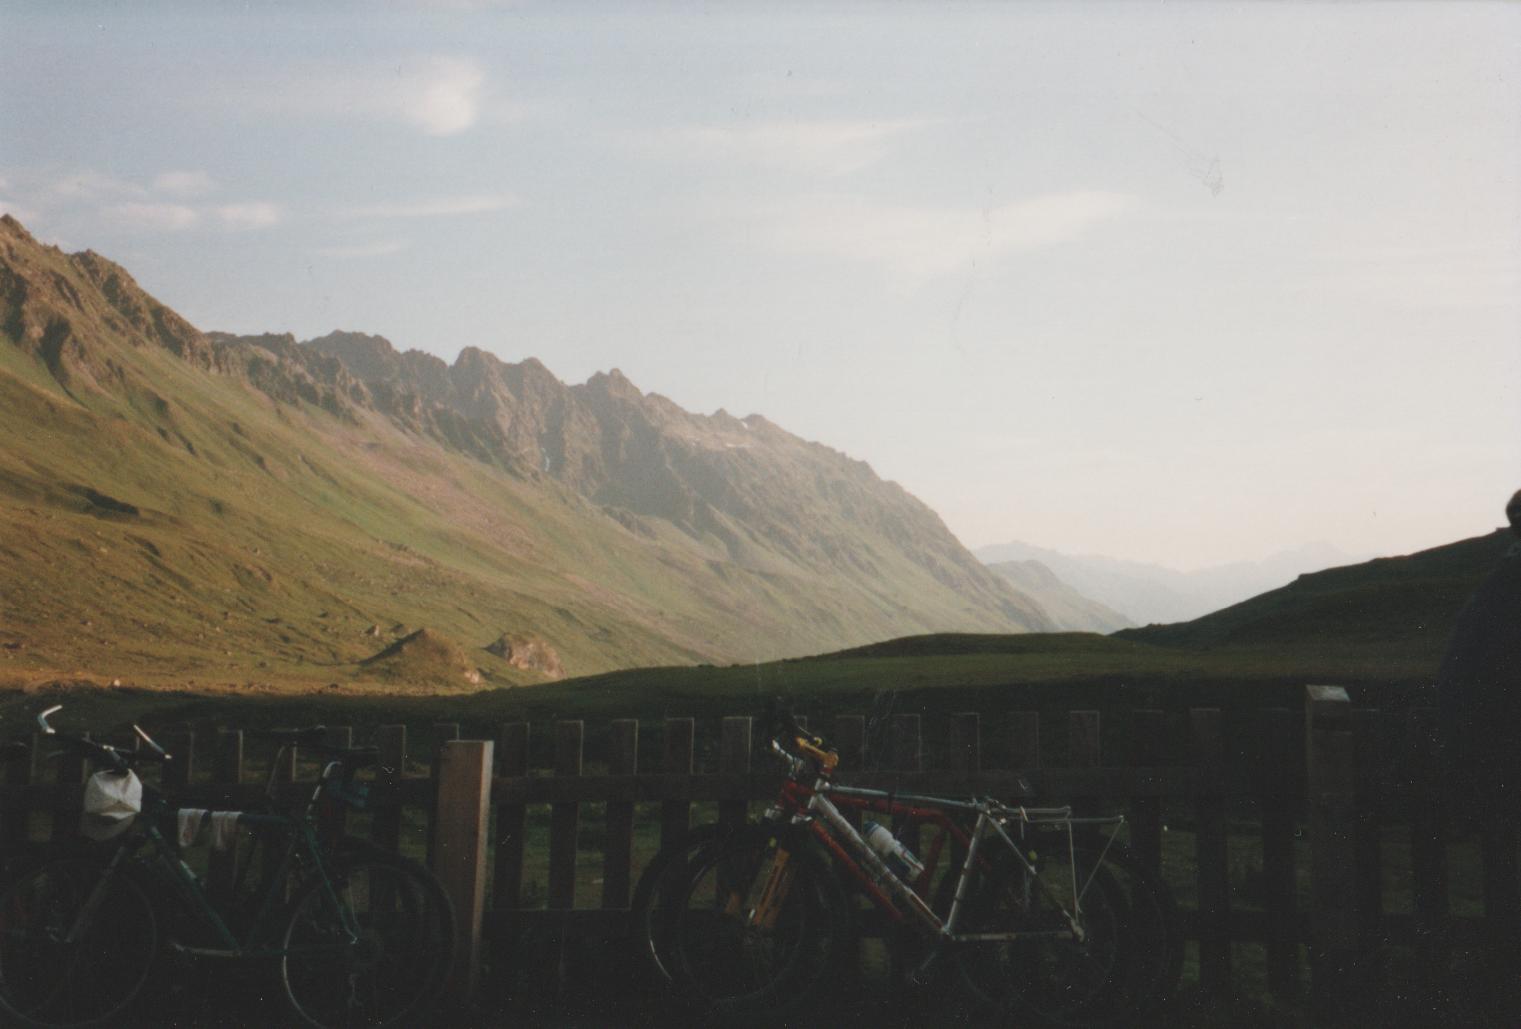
(1176, 282)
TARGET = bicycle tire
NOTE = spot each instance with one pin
(1154, 949)
(649, 913)
(395, 971)
(734, 971)
(47, 981)
(1052, 981)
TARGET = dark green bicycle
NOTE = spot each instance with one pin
(356, 935)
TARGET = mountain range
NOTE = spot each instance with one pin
(1140, 593)
(210, 509)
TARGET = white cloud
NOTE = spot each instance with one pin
(256, 214)
(91, 186)
(183, 183)
(442, 96)
(155, 217)
(823, 147)
(921, 243)
(434, 207)
(383, 248)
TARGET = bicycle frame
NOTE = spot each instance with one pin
(819, 807)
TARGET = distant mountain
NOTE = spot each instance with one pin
(1069, 609)
(1148, 593)
(1401, 606)
(183, 506)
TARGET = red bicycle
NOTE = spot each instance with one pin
(1041, 915)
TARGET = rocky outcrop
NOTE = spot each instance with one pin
(528, 652)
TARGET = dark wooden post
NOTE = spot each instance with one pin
(227, 770)
(1278, 778)
(72, 770)
(385, 825)
(179, 770)
(734, 759)
(966, 743)
(443, 732)
(511, 823)
(1367, 750)
(906, 754)
(850, 743)
(1084, 742)
(342, 737)
(564, 819)
(618, 857)
(1332, 799)
(282, 773)
(459, 856)
(1210, 848)
(1428, 836)
(678, 761)
(1147, 750)
(1024, 740)
(20, 770)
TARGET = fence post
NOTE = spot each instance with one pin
(1428, 836)
(443, 732)
(1024, 740)
(1278, 777)
(1367, 747)
(619, 853)
(385, 826)
(511, 823)
(1085, 747)
(1211, 850)
(227, 770)
(850, 742)
(966, 743)
(72, 770)
(15, 828)
(734, 759)
(463, 807)
(678, 761)
(1332, 798)
(564, 818)
(1147, 750)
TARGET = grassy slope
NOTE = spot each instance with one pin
(1401, 608)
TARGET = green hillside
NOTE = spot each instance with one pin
(236, 513)
(1402, 608)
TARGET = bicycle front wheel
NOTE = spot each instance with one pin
(760, 923)
(370, 945)
(77, 944)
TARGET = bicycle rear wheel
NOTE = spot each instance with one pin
(1050, 976)
(77, 944)
(760, 923)
(371, 946)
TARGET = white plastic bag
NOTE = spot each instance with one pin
(112, 801)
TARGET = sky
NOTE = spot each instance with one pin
(1177, 282)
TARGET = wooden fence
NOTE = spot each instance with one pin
(1290, 814)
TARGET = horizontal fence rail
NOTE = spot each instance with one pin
(1274, 826)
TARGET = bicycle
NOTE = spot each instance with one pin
(357, 936)
(1042, 915)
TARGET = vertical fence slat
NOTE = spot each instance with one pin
(1024, 740)
(734, 759)
(443, 733)
(1210, 848)
(72, 770)
(227, 770)
(623, 759)
(850, 743)
(385, 824)
(905, 754)
(341, 736)
(1331, 800)
(459, 856)
(965, 743)
(177, 772)
(282, 772)
(511, 823)
(564, 819)
(1279, 886)
(1147, 750)
(678, 761)
(1084, 743)
(20, 770)
(1367, 739)
(1428, 835)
